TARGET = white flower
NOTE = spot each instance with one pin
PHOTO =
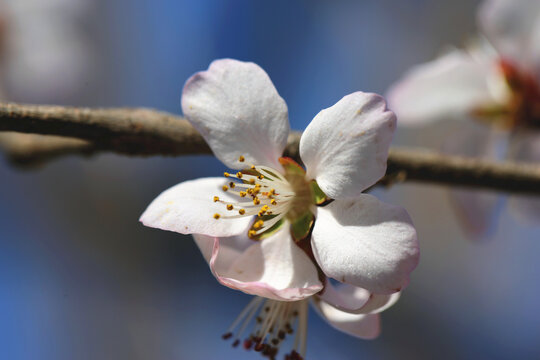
(496, 82)
(260, 229)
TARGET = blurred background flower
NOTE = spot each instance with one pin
(83, 279)
(489, 93)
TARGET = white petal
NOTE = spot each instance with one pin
(344, 297)
(355, 300)
(525, 147)
(274, 268)
(476, 210)
(378, 303)
(230, 249)
(236, 108)
(366, 243)
(188, 208)
(513, 27)
(448, 87)
(345, 147)
(361, 326)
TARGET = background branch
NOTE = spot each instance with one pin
(145, 132)
(31, 150)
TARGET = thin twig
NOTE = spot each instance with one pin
(145, 132)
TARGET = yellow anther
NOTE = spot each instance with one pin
(243, 194)
(232, 185)
(256, 201)
(265, 208)
(252, 233)
(241, 211)
(239, 175)
(258, 224)
(216, 216)
(226, 174)
(272, 192)
(229, 207)
(273, 202)
(225, 188)
(241, 158)
(252, 181)
(216, 198)
(252, 167)
(260, 177)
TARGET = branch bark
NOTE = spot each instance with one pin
(145, 132)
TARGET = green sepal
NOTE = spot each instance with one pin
(301, 226)
(317, 195)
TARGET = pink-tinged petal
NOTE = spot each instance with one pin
(345, 147)
(525, 147)
(275, 268)
(358, 325)
(367, 243)
(230, 249)
(448, 87)
(476, 210)
(513, 27)
(344, 297)
(378, 303)
(238, 111)
(355, 300)
(188, 208)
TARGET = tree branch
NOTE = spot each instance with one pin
(31, 150)
(145, 132)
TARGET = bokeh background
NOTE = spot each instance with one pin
(80, 278)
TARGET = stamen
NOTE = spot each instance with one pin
(270, 193)
(258, 224)
(241, 158)
(271, 323)
(216, 216)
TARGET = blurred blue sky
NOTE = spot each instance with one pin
(82, 279)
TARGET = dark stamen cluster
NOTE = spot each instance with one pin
(271, 328)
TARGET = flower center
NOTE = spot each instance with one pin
(523, 107)
(271, 322)
(268, 195)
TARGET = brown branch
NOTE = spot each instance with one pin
(123, 130)
(147, 132)
(31, 150)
